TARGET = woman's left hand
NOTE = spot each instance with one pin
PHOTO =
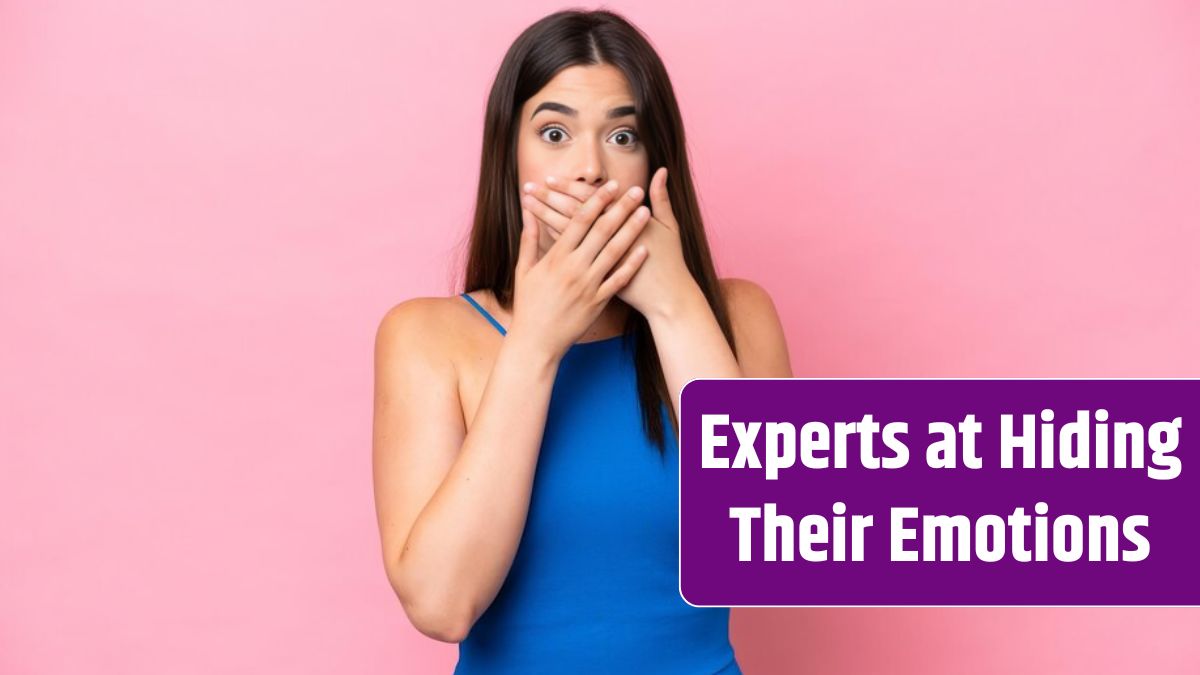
(663, 276)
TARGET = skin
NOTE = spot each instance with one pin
(459, 410)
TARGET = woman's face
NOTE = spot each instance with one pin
(566, 131)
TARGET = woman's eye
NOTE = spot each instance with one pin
(628, 133)
(544, 130)
(555, 135)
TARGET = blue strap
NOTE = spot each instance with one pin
(485, 314)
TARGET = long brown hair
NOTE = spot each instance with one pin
(560, 40)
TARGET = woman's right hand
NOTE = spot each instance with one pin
(558, 296)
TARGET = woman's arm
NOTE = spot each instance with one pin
(451, 504)
(691, 345)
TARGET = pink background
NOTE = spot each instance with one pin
(207, 206)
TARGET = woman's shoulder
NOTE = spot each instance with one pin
(435, 328)
(757, 329)
(746, 300)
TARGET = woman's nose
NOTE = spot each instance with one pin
(590, 167)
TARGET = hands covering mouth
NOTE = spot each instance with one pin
(579, 192)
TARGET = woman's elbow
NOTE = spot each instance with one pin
(442, 626)
(432, 616)
(436, 623)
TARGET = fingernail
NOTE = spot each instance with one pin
(611, 186)
(550, 180)
(529, 187)
(635, 192)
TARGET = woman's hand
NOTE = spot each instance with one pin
(664, 276)
(558, 295)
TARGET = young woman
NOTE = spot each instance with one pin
(525, 440)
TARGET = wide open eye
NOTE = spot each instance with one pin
(551, 127)
(627, 133)
(560, 133)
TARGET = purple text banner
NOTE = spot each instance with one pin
(807, 492)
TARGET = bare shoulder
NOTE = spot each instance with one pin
(750, 306)
(736, 289)
(430, 332)
(757, 329)
(413, 327)
(435, 331)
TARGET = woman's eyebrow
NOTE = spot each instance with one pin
(619, 111)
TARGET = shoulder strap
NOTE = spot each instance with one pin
(485, 314)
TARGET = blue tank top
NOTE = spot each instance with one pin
(594, 585)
